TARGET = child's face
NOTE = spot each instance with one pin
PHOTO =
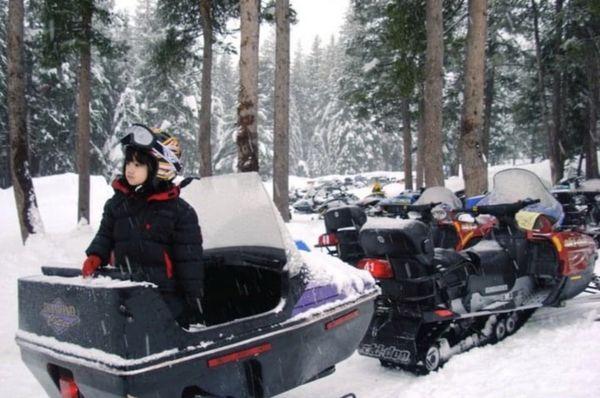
(136, 173)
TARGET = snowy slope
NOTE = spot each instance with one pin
(556, 354)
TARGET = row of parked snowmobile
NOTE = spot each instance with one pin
(452, 276)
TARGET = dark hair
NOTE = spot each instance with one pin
(138, 155)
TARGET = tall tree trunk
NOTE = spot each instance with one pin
(490, 78)
(281, 144)
(83, 119)
(542, 84)
(420, 169)
(556, 154)
(25, 199)
(407, 144)
(204, 136)
(434, 81)
(473, 160)
(247, 137)
(591, 163)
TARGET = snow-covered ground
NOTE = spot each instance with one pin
(556, 354)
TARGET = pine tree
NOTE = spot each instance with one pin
(224, 115)
(25, 198)
(247, 137)
(68, 31)
(281, 163)
(472, 152)
(5, 179)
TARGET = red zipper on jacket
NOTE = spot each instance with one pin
(168, 264)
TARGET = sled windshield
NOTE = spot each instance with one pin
(513, 185)
(439, 195)
(235, 211)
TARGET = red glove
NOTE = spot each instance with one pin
(90, 265)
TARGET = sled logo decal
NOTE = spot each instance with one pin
(59, 316)
(385, 352)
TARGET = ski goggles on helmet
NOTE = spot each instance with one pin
(142, 137)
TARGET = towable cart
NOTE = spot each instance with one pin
(269, 323)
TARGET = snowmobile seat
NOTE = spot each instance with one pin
(455, 268)
(446, 258)
(344, 217)
(396, 238)
(496, 272)
(349, 247)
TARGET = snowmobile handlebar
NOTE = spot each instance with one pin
(421, 208)
(503, 209)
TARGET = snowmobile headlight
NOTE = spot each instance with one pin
(466, 218)
(575, 242)
(439, 214)
(597, 198)
(468, 226)
(414, 215)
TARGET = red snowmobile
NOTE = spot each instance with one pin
(438, 302)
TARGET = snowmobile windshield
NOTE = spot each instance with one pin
(513, 185)
(235, 212)
(439, 195)
(592, 185)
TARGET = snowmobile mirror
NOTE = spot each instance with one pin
(466, 218)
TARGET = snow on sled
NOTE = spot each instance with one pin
(274, 318)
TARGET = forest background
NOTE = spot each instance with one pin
(356, 103)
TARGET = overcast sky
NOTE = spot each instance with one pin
(315, 17)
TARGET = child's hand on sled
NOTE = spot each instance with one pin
(90, 265)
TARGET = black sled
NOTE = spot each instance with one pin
(267, 327)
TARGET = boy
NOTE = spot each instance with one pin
(153, 234)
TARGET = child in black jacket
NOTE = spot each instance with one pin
(147, 230)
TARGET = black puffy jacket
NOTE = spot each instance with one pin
(154, 238)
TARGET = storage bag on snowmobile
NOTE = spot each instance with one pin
(388, 237)
(344, 217)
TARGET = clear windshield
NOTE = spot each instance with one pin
(592, 185)
(441, 195)
(512, 185)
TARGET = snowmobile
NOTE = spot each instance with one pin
(323, 198)
(386, 207)
(438, 302)
(269, 324)
(581, 204)
(342, 198)
(441, 210)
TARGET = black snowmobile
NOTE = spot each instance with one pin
(437, 207)
(268, 326)
(438, 302)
